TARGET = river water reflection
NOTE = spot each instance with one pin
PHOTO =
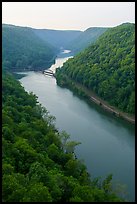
(107, 142)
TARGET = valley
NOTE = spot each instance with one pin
(70, 137)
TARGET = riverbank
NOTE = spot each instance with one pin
(91, 96)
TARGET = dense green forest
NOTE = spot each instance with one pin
(38, 162)
(23, 49)
(86, 38)
(107, 67)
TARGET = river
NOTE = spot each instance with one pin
(107, 143)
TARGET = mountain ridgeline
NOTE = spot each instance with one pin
(107, 68)
(57, 38)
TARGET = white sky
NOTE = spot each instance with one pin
(68, 15)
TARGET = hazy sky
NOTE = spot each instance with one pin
(68, 15)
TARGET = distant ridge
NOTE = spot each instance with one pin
(57, 38)
(86, 38)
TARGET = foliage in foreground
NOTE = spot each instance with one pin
(38, 162)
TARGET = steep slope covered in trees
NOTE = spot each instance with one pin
(85, 39)
(22, 49)
(107, 67)
(38, 162)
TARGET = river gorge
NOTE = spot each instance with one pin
(107, 142)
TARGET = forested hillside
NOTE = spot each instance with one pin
(85, 39)
(107, 67)
(22, 49)
(38, 162)
(25, 48)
